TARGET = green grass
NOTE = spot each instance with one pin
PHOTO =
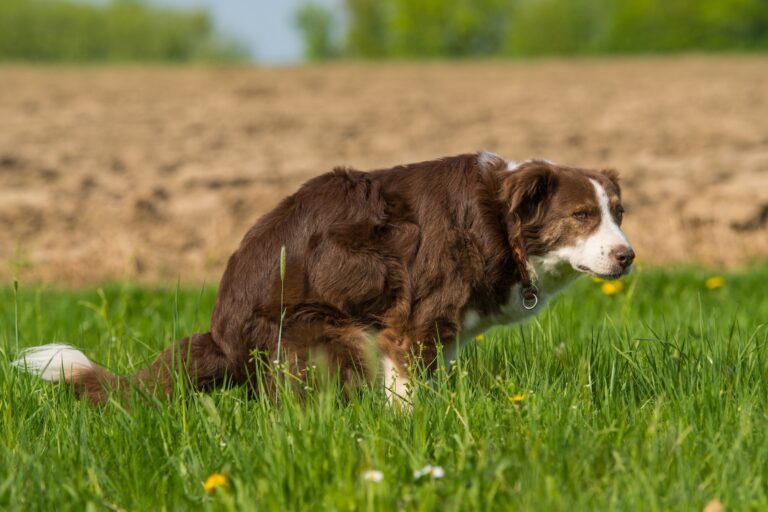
(651, 399)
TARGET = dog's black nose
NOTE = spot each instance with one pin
(624, 255)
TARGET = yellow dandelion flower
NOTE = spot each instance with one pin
(714, 282)
(518, 398)
(215, 481)
(479, 338)
(612, 287)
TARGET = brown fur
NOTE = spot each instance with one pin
(394, 256)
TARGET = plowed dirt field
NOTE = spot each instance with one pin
(154, 174)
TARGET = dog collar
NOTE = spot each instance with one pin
(529, 294)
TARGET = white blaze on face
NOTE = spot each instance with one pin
(595, 252)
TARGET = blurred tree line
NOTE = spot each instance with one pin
(118, 30)
(466, 28)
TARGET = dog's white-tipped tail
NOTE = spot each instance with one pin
(53, 362)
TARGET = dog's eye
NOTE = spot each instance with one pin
(619, 211)
(581, 215)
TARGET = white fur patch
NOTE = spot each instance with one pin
(491, 159)
(610, 229)
(471, 319)
(513, 166)
(53, 362)
(488, 159)
(395, 384)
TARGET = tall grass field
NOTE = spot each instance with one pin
(648, 397)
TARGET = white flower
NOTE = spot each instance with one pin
(373, 475)
(437, 472)
(434, 472)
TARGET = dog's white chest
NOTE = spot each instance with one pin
(551, 280)
(512, 312)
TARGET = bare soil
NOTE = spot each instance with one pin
(154, 174)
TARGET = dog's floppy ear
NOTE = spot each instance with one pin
(524, 192)
(613, 177)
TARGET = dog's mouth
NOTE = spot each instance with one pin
(606, 277)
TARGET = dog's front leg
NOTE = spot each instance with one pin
(393, 359)
(397, 385)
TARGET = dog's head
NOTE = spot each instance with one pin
(568, 216)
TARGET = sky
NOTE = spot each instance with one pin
(266, 26)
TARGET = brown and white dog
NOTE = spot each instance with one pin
(393, 261)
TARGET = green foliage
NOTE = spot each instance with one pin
(461, 28)
(640, 25)
(122, 30)
(654, 398)
(540, 27)
(316, 24)
(458, 28)
(368, 31)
